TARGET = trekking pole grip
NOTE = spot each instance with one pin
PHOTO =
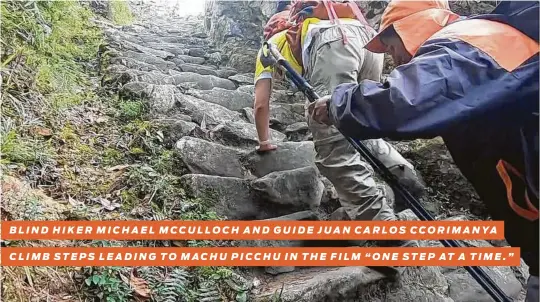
(297, 79)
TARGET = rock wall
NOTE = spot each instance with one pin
(236, 29)
(236, 26)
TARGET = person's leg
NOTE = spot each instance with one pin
(332, 63)
(532, 290)
(371, 69)
(399, 166)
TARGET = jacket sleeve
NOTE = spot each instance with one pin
(445, 84)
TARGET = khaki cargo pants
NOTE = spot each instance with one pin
(332, 63)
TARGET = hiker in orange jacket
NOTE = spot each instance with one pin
(474, 82)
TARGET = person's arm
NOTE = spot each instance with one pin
(261, 107)
(263, 91)
(425, 97)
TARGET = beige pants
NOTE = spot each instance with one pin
(332, 63)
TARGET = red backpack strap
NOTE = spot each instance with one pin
(357, 12)
(334, 18)
(330, 13)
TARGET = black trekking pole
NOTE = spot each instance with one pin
(476, 272)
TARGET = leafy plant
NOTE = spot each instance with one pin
(108, 286)
(131, 110)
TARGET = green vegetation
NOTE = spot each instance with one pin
(60, 37)
(93, 153)
(121, 14)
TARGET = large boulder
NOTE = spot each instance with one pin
(229, 196)
(204, 157)
(240, 134)
(300, 188)
(288, 156)
(174, 129)
(161, 98)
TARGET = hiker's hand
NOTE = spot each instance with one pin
(265, 147)
(319, 110)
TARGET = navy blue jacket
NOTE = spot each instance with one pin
(485, 111)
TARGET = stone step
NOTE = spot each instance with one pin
(174, 128)
(317, 284)
(227, 72)
(228, 196)
(204, 157)
(231, 99)
(130, 63)
(176, 49)
(197, 68)
(148, 59)
(198, 52)
(299, 189)
(288, 156)
(124, 75)
(240, 135)
(161, 97)
(354, 284)
(233, 198)
(145, 50)
(190, 59)
(206, 113)
(203, 82)
(243, 78)
(298, 132)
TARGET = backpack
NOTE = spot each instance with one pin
(302, 9)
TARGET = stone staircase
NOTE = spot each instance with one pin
(206, 114)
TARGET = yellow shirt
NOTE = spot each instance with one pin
(280, 41)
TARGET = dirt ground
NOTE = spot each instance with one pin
(449, 193)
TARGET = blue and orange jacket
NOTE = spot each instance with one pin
(475, 84)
